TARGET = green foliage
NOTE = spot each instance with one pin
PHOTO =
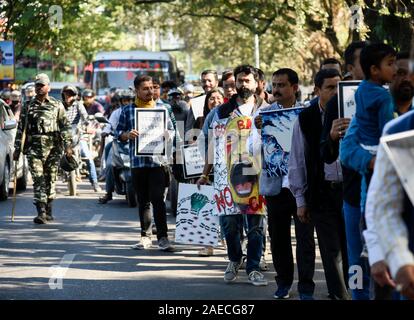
(217, 33)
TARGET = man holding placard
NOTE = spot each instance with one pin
(242, 105)
(149, 129)
(269, 137)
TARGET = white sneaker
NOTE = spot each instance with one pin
(145, 243)
(165, 245)
(231, 272)
(257, 279)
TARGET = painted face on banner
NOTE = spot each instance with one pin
(242, 168)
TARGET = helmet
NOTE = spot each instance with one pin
(15, 95)
(68, 164)
(174, 91)
(88, 93)
(126, 94)
(71, 88)
(5, 94)
(188, 87)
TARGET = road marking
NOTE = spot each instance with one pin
(59, 271)
(95, 220)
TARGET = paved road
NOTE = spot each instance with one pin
(86, 254)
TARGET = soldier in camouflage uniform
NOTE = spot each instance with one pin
(47, 133)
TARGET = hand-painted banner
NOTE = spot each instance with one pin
(236, 172)
(243, 169)
(195, 222)
(277, 130)
(222, 194)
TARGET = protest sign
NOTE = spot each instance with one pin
(151, 125)
(195, 222)
(277, 131)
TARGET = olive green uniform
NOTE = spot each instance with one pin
(47, 133)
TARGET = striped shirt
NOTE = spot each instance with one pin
(75, 113)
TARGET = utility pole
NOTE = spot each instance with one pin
(256, 50)
(256, 45)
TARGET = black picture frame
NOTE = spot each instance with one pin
(344, 90)
(184, 159)
(142, 129)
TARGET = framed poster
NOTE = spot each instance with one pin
(193, 162)
(195, 223)
(7, 60)
(346, 98)
(151, 125)
(400, 150)
(277, 131)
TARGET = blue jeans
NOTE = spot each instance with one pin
(352, 217)
(85, 153)
(255, 233)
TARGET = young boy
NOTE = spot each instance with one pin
(374, 106)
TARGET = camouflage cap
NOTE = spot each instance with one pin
(42, 78)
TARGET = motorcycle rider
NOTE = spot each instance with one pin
(125, 97)
(78, 116)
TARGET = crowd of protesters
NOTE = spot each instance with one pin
(339, 183)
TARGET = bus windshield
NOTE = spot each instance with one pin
(121, 73)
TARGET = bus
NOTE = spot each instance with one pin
(118, 69)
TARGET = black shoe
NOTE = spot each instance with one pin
(41, 213)
(107, 197)
(49, 216)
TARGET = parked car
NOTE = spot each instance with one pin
(7, 125)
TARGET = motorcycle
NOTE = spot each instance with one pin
(121, 168)
(71, 176)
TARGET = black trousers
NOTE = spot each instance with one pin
(149, 185)
(330, 229)
(280, 209)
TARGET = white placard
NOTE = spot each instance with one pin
(197, 105)
(400, 149)
(346, 98)
(193, 161)
(195, 223)
(151, 125)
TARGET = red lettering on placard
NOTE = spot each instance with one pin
(224, 199)
(221, 204)
(244, 124)
(227, 192)
(256, 205)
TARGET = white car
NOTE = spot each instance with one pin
(7, 165)
(7, 131)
